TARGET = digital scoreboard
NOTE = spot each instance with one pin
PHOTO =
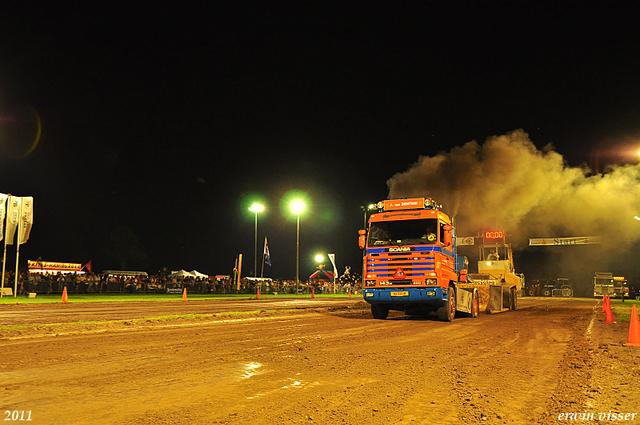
(493, 235)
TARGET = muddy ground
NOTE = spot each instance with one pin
(306, 362)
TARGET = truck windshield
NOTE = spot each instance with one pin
(403, 232)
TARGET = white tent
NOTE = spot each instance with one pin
(184, 273)
(196, 273)
(258, 279)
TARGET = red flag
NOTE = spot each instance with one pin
(88, 266)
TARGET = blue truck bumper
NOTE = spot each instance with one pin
(406, 295)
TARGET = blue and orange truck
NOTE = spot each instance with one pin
(411, 264)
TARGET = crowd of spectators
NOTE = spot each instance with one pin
(54, 283)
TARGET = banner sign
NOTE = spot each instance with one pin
(13, 217)
(470, 240)
(54, 266)
(3, 212)
(173, 290)
(581, 240)
(26, 220)
(332, 257)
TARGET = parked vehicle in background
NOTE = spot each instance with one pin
(620, 287)
(558, 287)
(603, 284)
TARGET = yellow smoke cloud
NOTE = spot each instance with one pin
(508, 184)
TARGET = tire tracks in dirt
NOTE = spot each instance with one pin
(329, 367)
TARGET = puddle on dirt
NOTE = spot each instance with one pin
(290, 383)
(250, 369)
(294, 384)
(297, 383)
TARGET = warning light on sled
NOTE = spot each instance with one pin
(494, 234)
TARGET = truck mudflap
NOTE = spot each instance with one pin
(468, 300)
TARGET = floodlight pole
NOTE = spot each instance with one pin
(255, 256)
(297, 207)
(256, 208)
(297, 254)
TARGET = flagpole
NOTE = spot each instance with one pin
(262, 270)
(15, 285)
(20, 229)
(264, 249)
(4, 258)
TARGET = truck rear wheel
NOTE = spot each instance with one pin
(379, 311)
(447, 313)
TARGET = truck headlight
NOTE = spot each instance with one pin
(370, 283)
(431, 281)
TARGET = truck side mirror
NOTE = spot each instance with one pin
(362, 238)
(447, 235)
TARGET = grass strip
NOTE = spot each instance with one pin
(91, 298)
(622, 310)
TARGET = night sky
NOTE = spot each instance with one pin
(159, 124)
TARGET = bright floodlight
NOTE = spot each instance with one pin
(257, 208)
(297, 207)
(319, 258)
(636, 217)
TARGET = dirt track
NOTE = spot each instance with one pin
(327, 364)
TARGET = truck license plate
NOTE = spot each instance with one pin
(400, 294)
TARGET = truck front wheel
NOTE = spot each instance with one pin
(448, 312)
(379, 311)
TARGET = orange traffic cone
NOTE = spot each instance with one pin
(608, 315)
(349, 291)
(604, 303)
(184, 294)
(65, 298)
(258, 293)
(634, 329)
(313, 293)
